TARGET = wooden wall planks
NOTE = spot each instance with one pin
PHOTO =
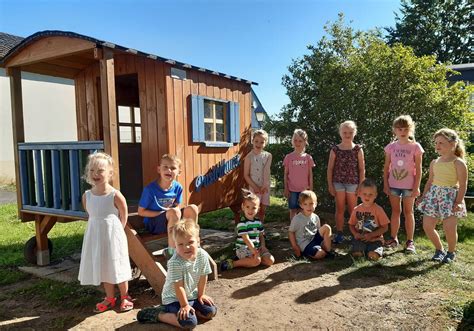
(166, 123)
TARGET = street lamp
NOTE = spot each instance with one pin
(260, 114)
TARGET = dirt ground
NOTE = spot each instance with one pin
(289, 295)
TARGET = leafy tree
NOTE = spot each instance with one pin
(354, 75)
(436, 27)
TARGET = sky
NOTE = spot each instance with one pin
(252, 39)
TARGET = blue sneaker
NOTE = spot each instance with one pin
(227, 265)
(338, 238)
(449, 257)
(438, 256)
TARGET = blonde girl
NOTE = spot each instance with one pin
(257, 170)
(443, 196)
(298, 171)
(402, 176)
(104, 257)
(346, 170)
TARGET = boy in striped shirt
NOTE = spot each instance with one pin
(184, 296)
(250, 244)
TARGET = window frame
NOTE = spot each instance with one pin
(231, 121)
(133, 124)
(214, 121)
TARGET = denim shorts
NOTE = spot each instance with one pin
(158, 224)
(400, 192)
(191, 321)
(341, 187)
(365, 247)
(293, 200)
(314, 246)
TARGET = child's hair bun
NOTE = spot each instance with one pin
(248, 195)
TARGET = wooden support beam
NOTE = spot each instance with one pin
(17, 125)
(98, 54)
(49, 48)
(50, 69)
(109, 110)
(152, 270)
(215, 271)
(46, 223)
(43, 225)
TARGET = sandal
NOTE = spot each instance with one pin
(101, 306)
(126, 303)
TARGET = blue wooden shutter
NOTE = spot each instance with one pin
(197, 118)
(233, 121)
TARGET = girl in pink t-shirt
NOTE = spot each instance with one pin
(298, 171)
(402, 176)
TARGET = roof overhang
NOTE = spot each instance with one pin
(65, 54)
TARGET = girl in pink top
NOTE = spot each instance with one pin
(402, 176)
(298, 171)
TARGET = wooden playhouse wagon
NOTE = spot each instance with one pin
(135, 106)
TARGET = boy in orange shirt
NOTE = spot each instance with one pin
(368, 223)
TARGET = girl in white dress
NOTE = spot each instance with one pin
(257, 171)
(104, 257)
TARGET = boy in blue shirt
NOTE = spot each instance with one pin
(160, 200)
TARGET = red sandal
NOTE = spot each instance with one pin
(126, 303)
(101, 306)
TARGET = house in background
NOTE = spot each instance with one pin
(40, 93)
(259, 115)
(466, 71)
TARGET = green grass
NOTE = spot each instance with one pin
(66, 237)
(222, 219)
(417, 273)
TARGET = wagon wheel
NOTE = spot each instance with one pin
(30, 250)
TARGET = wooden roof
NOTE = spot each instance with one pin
(63, 53)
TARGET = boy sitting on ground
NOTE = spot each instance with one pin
(368, 223)
(184, 293)
(307, 236)
(250, 244)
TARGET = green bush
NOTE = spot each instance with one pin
(354, 75)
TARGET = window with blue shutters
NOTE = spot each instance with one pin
(215, 122)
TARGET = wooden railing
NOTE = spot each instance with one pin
(51, 176)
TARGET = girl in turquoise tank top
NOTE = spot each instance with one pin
(443, 196)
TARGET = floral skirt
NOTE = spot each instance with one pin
(438, 203)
